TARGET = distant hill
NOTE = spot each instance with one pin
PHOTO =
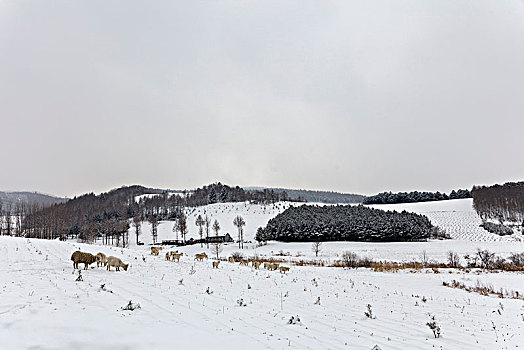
(316, 196)
(11, 199)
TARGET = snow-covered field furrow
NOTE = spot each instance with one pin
(42, 307)
(457, 217)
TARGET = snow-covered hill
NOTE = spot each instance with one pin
(456, 216)
(255, 216)
(191, 305)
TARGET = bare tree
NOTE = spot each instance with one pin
(216, 227)
(182, 226)
(175, 230)
(137, 223)
(240, 223)
(317, 246)
(154, 227)
(424, 258)
(217, 248)
(208, 223)
(453, 259)
(8, 221)
(200, 223)
(486, 258)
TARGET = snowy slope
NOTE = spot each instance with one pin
(255, 216)
(456, 216)
(42, 307)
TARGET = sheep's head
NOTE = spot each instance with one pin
(125, 266)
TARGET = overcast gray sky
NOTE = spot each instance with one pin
(352, 96)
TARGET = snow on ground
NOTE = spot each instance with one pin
(42, 307)
(457, 217)
(255, 216)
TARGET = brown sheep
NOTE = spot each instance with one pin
(176, 256)
(215, 264)
(231, 259)
(255, 264)
(273, 266)
(116, 262)
(283, 269)
(168, 255)
(155, 250)
(200, 256)
(81, 257)
(101, 259)
(244, 262)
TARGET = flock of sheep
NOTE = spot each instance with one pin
(101, 260)
(255, 263)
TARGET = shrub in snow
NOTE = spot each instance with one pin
(517, 259)
(486, 258)
(350, 259)
(131, 307)
(453, 259)
(79, 278)
(435, 328)
(497, 229)
(294, 320)
(369, 312)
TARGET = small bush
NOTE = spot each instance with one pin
(439, 233)
(434, 327)
(486, 258)
(237, 256)
(497, 229)
(517, 259)
(453, 259)
(369, 312)
(350, 259)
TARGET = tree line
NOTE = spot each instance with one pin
(415, 196)
(345, 223)
(500, 202)
(107, 216)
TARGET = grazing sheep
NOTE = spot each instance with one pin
(176, 256)
(244, 262)
(81, 257)
(200, 256)
(255, 264)
(116, 262)
(283, 269)
(101, 259)
(155, 250)
(267, 265)
(273, 266)
(231, 259)
(215, 264)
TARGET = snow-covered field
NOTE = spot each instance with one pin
(457, 217)
(191, 305)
